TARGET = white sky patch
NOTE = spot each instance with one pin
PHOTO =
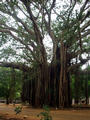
(86, 65)
(21, 15)
(48, 45)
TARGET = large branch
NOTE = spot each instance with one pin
(54, 39)
(81, 17)
(84, 72)
(83, 7)
(24, 25)
(73, 67)
(86, 33)
(6, 27)
(82, 11)
(87, 15)
(37, 31)
(19, 66)
(52, 5)
(21, 41)
(75, 54)
(22, 10)
(18, 20)
(85, 26)
(50, 11)
(32, 18)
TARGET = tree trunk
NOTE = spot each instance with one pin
(52, 85)
(42, 85)
(24, 87)
(76, 88)
(7, 101)
(86, 90)
(12, 86)
(64, 98)
(37, 87)
(45, 84)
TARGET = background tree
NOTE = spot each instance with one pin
(80, 86)
(10, 84)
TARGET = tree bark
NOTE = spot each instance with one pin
(12, 86)
(76, 88)
(38, 86)
(86, 90)
(64, 98)
(7, 101)
(45, 84)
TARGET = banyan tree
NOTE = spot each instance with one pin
(26, 26)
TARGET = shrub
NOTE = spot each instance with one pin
(18, 109)
(45, 115)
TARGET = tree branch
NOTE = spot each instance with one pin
(83, 7)
(86, 33)
(21, 41)
(85, 26)
(72, 67)
(19, 20)
(19, 66)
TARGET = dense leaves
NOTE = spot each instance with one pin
(10, 87)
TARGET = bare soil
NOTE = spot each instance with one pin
(28, 113)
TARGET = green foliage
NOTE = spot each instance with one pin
(81, 84)
(4, 82)
(18, 109)
(45, 115)
(7, 52)
(8, 85)
(3, 38)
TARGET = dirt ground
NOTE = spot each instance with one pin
(7, 113)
